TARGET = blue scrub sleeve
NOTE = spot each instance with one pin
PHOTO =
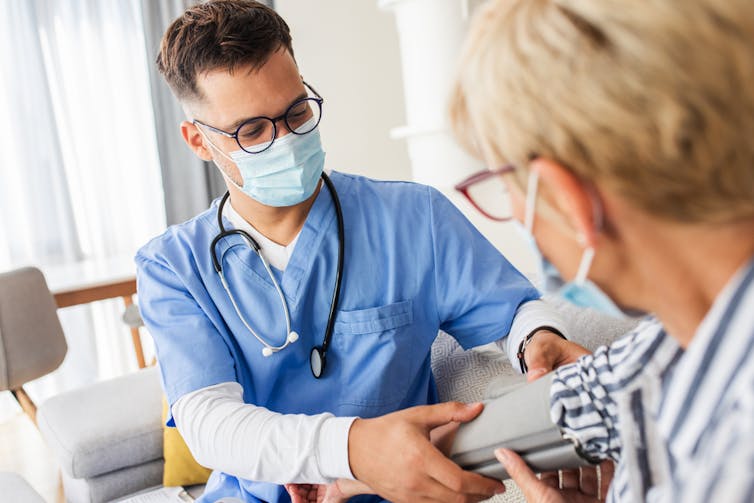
(191, 352)
(478, 290)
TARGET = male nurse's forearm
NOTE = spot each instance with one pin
(253, 443)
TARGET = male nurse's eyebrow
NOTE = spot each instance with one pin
(233, 127)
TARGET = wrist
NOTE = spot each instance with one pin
(540, 333)
(354, 435)
(332, 447)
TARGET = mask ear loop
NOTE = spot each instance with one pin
(589, 252)
(219, 168)
(204, 135)
(584, 266)
(531, 200)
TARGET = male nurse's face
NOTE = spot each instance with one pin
(232, 98)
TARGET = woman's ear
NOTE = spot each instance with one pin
(570, 196)
(195, 140)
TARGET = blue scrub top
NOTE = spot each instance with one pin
(413, 265)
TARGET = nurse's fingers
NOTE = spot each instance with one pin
(438, 491)
(432, 416)
(442, 437)
(451, 476)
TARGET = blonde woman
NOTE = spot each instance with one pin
(626, 129)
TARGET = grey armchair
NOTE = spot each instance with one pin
(107, 437)
(32, 341)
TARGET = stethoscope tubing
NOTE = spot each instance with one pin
(318, 352)
(339, 271)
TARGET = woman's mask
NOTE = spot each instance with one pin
(581, 291)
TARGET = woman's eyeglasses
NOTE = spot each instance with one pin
(488, 193)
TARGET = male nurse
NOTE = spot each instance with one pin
(239, 298)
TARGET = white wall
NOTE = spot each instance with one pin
(349, 51)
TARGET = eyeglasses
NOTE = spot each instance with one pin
(258, 133)
(488, 193)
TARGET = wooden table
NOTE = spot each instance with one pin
(93, 280)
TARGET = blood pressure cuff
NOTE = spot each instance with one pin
(519, 420)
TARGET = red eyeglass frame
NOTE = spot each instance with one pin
(480, 176)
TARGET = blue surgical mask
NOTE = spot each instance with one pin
(584, 293)
(549, 279)
(581, 291)
(285, 174)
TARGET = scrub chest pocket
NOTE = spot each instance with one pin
(375, 354)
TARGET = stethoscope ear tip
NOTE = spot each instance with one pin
(292, 337)
(267, 352)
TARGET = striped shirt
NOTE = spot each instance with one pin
(679, 423)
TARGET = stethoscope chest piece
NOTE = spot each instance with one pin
(317, 361)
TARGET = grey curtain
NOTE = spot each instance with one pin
(189, 183)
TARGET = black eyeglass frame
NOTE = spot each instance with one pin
(317, 98)
(478, 177)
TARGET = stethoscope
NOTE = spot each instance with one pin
(317, 357)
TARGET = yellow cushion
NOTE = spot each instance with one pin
(181, 469)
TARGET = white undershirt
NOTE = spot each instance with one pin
(276, 254)
(251, 442)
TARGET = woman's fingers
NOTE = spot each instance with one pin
(589, 481)
(607, 470)
(552, 479)
(569, 479)
(534, 489)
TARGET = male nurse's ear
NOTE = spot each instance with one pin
(196, 141)
(202, 146)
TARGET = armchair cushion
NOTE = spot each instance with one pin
(113, 485)
(107, 426)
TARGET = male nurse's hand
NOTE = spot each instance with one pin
(393, 455)
(547, 351)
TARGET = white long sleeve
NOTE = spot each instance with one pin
(250, 442)
(529, 317)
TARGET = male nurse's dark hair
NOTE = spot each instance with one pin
(219, 34)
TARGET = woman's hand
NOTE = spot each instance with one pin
(548, 351)
(577, 486)
(337, 492)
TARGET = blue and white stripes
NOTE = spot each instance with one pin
(679, 423)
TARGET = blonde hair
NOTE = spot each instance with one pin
(653, 98)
